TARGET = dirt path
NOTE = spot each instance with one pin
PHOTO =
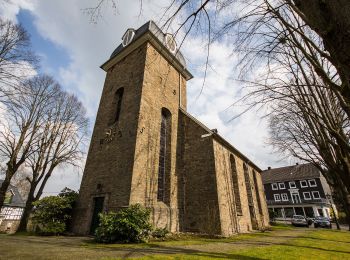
(33, 247)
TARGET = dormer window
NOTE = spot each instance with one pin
(281, 186)
(274, 186)
(128, 36)
(170, 43)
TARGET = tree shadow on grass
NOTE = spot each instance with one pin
(314, 248)
(169, 251)
(325, 239)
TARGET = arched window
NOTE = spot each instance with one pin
(250, 197)
(257, 191)
(164, 157)
(117, 104)
(235, 185)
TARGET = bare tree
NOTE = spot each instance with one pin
(61, 141)
(21, 124)
(16, 58)
(303, 79)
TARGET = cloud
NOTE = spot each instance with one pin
(9, 9)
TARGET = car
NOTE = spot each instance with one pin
(322, 222)
(299, 220)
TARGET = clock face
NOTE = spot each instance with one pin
(110, 133)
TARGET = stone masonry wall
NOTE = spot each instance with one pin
(160, 90)
(198, 199)
(230, 221)
(109, 166)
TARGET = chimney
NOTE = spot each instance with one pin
(214, 130)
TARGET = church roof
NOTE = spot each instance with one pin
(221, 140)
(289, 173)
(151, 27)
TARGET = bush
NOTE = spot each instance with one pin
(52, 213)
(160, 233)
(129, 225)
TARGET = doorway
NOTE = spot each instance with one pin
(296, 198)
(98, 208)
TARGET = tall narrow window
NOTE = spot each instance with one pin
(164, 157)
(257, 191)
(248, 185)
(250, 197)
(117, 104)
(236, 185)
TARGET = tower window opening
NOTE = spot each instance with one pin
(117, 104)
(128, 36)
(170, 42)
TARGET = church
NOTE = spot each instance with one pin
(146, 148)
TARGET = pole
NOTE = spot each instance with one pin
(329, 197)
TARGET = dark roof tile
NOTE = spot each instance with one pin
(289, 173)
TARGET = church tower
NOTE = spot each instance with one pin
(132, 155)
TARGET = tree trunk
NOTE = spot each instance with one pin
(4, 186)
(27, 209)
(331, 20)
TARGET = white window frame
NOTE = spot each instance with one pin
(284, 196)
(305, 198)
(277, 197)
(280, 184)
(294, 185)
(303, 186)
(316, 192)
(274, 186)
(315, 183)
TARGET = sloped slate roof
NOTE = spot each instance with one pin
(289, 173)
(150, 26)
(17, 200)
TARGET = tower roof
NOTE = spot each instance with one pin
(159, 38)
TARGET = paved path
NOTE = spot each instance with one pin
(33, 247)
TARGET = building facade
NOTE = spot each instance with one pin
(299, 189)
(12, 211)
(147, 149)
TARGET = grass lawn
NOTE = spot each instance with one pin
(280, 243)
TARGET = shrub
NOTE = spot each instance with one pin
(52, 213)
(129, 225)
(160, 233)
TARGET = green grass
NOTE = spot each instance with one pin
(281, 242)
(318, 244)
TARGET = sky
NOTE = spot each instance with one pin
(72, 48)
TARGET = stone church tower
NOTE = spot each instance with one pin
(147, 149)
